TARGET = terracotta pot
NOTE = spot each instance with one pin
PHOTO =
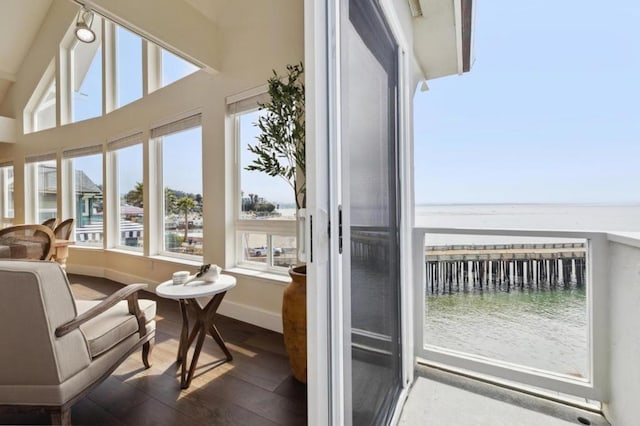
(294, 321)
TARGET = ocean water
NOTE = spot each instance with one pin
(545, 329)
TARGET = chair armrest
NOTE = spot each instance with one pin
(128, 292)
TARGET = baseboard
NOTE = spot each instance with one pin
(90, 271)
(249, 314)
(252, 315)
(123, 278)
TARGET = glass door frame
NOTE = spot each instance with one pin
(325, 322)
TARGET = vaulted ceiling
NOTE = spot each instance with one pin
(20, 21)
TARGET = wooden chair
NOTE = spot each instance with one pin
(27, 242)
(52, 222)
(56, 349)
(63, 230)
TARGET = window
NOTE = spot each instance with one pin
(41, 188)
(129, 67)
(265, 205)
(175, 68)
(126, 160)
(86, 201)
(86, 76)
(180, 145)
(6, 194)
(44, 115)
(40, 111)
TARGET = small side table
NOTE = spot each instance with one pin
(187, 296)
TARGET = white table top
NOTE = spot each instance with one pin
(195, 288)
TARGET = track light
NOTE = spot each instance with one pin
(84, 32)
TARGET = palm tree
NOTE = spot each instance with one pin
(185, 204)
(135, 196)
(169, 201)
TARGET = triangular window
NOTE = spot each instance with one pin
(175, 68)
(40, 112)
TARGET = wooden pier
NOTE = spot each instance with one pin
(504, 267)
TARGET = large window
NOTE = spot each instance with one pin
(266, 207)
(129, 67)
(126, 156)
(6, 194)
(181, 150)
(86, 76)
(41, 175)
(85, 165)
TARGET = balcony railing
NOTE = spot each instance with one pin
(524, 306)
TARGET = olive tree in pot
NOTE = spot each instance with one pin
(280, 151)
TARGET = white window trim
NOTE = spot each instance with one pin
(111, 207)
(237, 105)
(5, 216)
(69, 195)
(32, 200)
(186, 121)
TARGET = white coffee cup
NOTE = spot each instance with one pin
(180, 277)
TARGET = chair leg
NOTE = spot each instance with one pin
(61, 417)
(146, 352)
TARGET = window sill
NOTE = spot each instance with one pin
(78, 247)
(123, 251)
(275, 278)
(176, 260)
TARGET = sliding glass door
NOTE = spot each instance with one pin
(369, 213)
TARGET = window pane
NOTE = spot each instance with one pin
(130, 190)
(183, 191)
(47, 190)
(175, 68)
(88, 200)
(514, 299)
(129, 66)
(45, 111)
(262, 196)
(254, 247)
(86, 63)
(6, 197)
(284, 251)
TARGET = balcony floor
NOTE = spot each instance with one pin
(256, 388)
(441, 398)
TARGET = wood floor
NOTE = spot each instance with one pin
(256, 388)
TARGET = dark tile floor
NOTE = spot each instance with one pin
(256, 388)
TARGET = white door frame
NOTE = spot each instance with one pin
(325, 322)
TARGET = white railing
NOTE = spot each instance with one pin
(595, 385)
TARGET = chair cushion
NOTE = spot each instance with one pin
(113, 326)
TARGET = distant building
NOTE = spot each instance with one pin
(88, 196)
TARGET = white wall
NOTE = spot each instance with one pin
(256, 37)
(624, 283)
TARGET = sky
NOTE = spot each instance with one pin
(548, 114)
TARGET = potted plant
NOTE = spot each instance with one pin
(280, 151)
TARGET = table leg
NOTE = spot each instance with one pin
(196, 354)
(216, 336)
(204, 324)
(183, 347)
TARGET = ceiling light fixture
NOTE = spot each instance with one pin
(84, 32)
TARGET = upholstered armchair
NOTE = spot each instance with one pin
(26, 242)
(55, 349)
